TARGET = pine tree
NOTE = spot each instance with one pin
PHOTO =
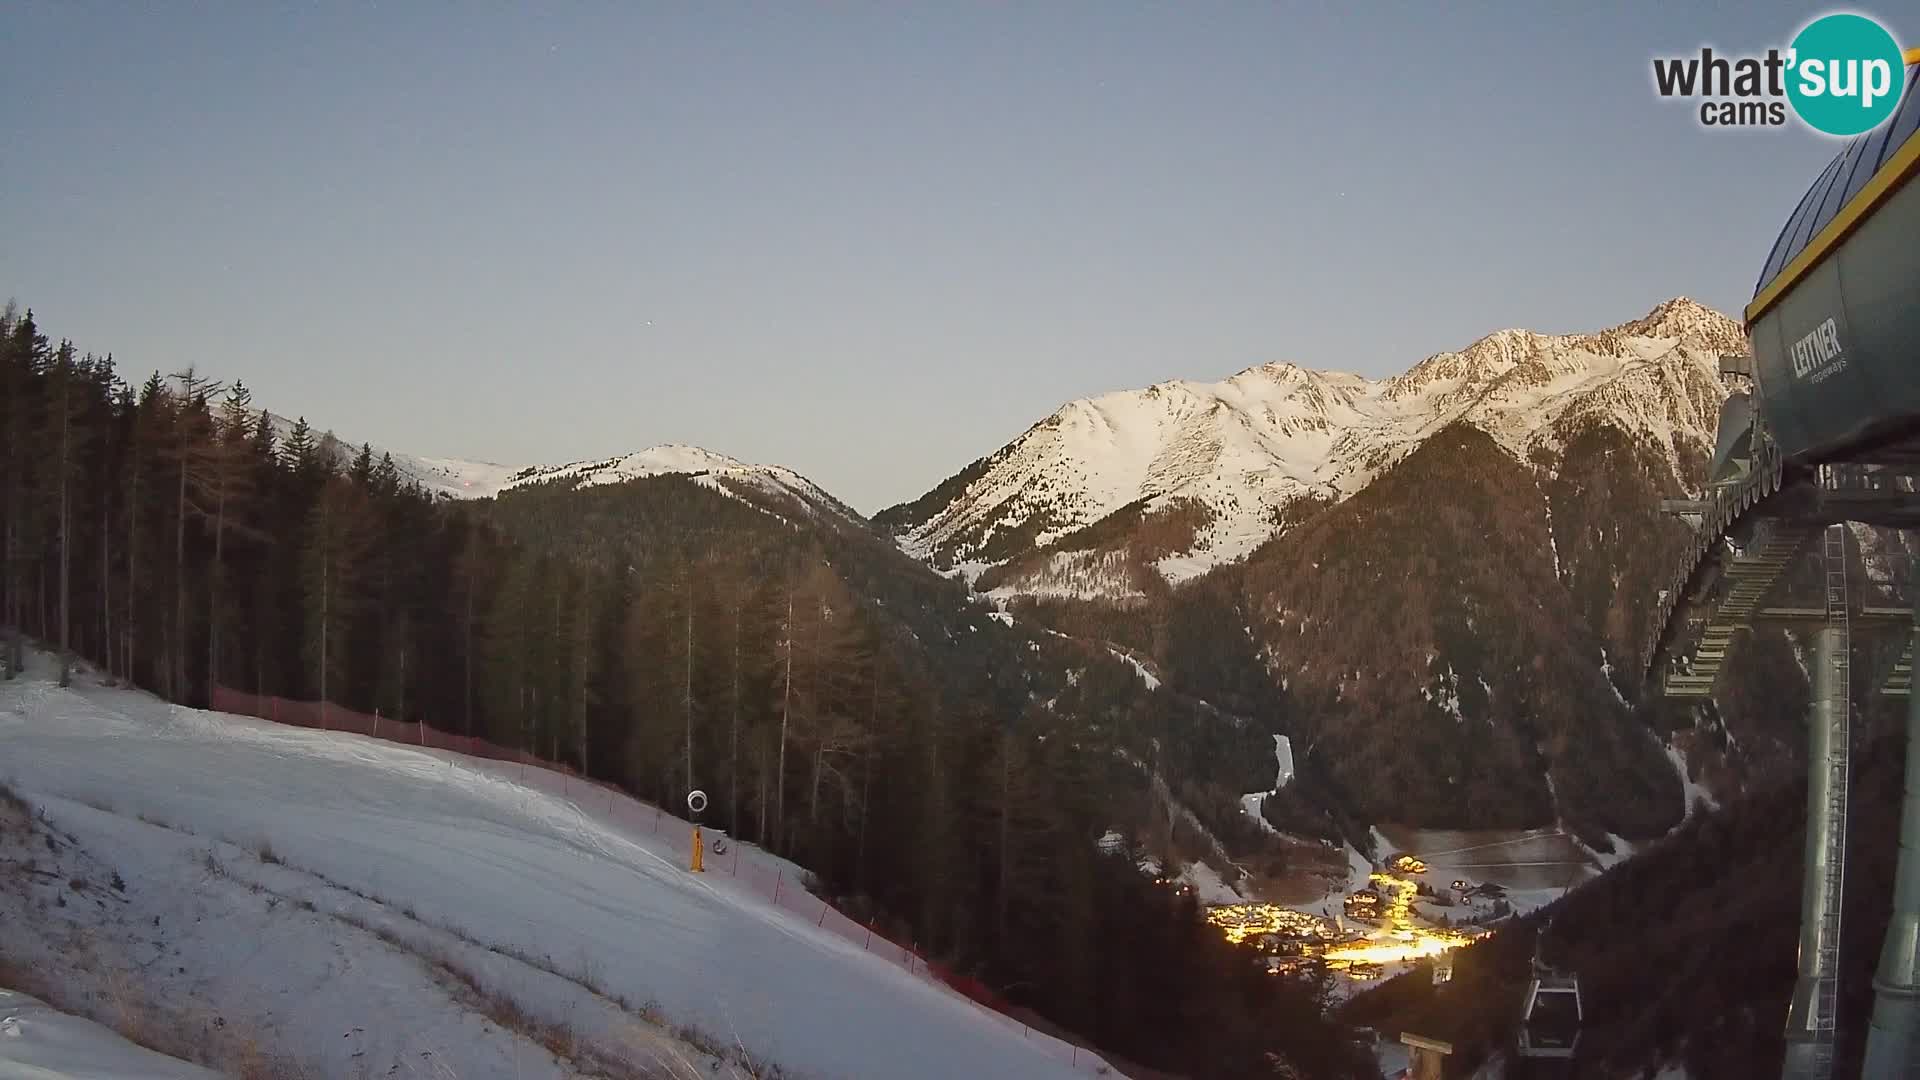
(470, 570)
(152, 419)
(262, 442)
(275, 566)
(119, 424)
(64, 402)
(512, 654)
(336, 546)
(226, 480)
(25, 360)
(395, 645)
(193, 432)
(787, 631)
(300, 452)
(581, 655)
(385, 478)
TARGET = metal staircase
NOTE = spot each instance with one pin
(1899, 681)
(1839, 744)
(1749, 576)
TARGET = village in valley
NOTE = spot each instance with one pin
(1393, 920)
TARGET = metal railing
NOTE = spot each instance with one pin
(1826, 1017)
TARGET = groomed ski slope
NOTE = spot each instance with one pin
(465, 846)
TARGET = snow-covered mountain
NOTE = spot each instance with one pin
(1221, 462)
(714, 470)
(459, 478)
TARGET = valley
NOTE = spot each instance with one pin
(1338, 720)
(924, 542)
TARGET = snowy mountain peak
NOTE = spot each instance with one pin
(458, 478)
(1226, 459)
(653, 461)
(708, 467)
(1684, 319)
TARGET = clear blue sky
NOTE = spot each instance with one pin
(869, 242)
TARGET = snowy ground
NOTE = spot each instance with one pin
(44, 1043)
(1692, 790)
(1250, 803)
(368, 909)
(1207, 886)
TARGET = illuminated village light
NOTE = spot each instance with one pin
(1401, 940)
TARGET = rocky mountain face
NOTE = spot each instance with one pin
(1113, 496)
(1445, 576)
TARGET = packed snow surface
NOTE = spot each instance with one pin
(39, 1042)
(454, 851)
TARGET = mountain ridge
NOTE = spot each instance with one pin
(462, 478)
(1233, 455)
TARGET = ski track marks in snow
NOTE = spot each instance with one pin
(467, 856)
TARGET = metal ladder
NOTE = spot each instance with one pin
(1827, 1011)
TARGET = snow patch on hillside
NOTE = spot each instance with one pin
(1693, 791)
(1250, 806)
(1139, 668)
(1283, 760)
(1606, 672)
(1207, 886)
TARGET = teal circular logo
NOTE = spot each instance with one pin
(1844, 74)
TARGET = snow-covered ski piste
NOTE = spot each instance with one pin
(44, 1043)
(366, 908)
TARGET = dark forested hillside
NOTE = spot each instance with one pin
(1429, 642)
(937, 765)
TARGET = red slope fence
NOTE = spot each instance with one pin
(606, 802)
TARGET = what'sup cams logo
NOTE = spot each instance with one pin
(1843, 74)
